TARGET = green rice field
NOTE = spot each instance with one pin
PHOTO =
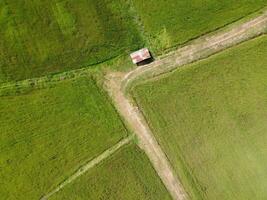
(47, 134)
(210, 118)
(127, 175)
(42, 37)
(55, 116)
(169, 23)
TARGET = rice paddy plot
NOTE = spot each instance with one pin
(47, 134)
(43, 37)
(127, 175)
(210, 118)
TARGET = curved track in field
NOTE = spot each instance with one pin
(117, 83)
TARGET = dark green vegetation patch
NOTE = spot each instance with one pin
(127, 175)
(172, 22)
(41, 37)
(47, 134)
(210, 118)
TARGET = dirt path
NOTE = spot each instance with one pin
(116, 83)
(201, 48)
(148, 143)
(90, 165)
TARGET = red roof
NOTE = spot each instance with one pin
(140, 55)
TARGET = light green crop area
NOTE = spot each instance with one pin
(172, 22)
(127, 175)
(42, 37)
(47, 134)
(210, 118)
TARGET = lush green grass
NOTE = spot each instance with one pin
(47, 134)
(127, 175)
(40, 37)
(171, 22)
(210, 118)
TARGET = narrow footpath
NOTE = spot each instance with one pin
(90, 165)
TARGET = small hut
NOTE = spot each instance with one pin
(140, 55)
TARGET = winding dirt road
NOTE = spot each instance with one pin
(205, 46)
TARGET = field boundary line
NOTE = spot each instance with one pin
(89, 165)
(118, 83)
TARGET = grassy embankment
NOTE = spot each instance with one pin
(210, 118)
